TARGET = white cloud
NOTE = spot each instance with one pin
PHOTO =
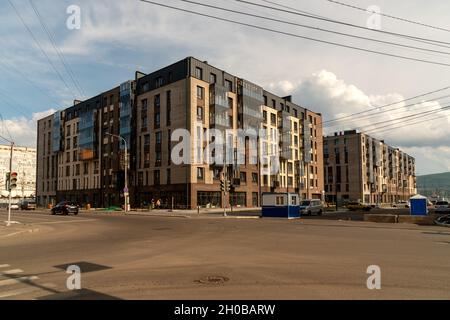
(23, 130)
(428, 141)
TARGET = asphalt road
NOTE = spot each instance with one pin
(157, 257)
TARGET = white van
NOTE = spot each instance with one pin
(310, 207)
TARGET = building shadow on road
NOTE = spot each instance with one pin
(82, 294)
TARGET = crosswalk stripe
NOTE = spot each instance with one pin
(14, 271)
(4, 265)
(8, 282)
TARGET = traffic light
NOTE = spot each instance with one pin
(13, 181)
(227, 186)
(222, 185)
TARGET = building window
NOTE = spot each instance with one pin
(144, 109)
(273, 119)
(230, 103)
(229, 85)
(158, 159)
(200, 93)
(156, 178)
(159, 82)
(265, 116)
(212, 78)
(157, 118)
(158, 137)
(254, 199)
(216, 174)
(199, 73)
(254, 177)
(168, 177)
(200, 173)
(238, 199)
(200, 113)
(168, 106)
(243, 177)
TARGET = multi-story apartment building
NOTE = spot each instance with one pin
(154, 112)
(24, 164)
(358, 167)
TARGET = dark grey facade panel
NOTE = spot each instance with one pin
(169, 74)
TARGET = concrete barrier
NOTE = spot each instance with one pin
(381, 218)
(392, 218)
(420, 220)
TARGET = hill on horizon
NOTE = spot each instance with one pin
(434, 184)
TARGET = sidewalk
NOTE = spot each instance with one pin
(191, 213)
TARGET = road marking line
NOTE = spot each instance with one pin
(8, 282)
(68, 221)
(13, 271)
(18, 292)
(4, 265)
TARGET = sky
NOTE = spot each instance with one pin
(116, 38)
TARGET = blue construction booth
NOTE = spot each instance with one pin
(418, 205)
(280, 205)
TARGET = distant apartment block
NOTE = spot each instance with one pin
(358, 167)
(24, 163)
(79, 160)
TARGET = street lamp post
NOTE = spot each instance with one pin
(125, 191)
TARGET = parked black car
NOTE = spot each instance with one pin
(66, 207)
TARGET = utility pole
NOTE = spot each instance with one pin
(9, 184)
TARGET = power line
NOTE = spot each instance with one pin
(371, 116)
(30, 82)
(57, 50)
(388, 16)
(387, 105)
(297, 12)
(296, 35)
(410, 116)
(314, 28)
(288, 7)
(375, 131)
(312, 14)
(15, 105)
(40, 47)
(5, 127)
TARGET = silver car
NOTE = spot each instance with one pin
(310, 207)
(442, 206)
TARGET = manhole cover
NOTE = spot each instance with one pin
(213, 280)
